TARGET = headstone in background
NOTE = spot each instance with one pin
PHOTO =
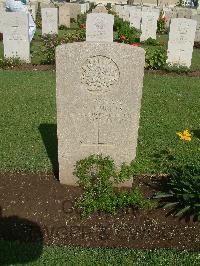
(99, 27)
(100, 9)
(98, 111)
(64, 15)
(181, 41)
(197, 34)
(149, 24)
(83, 8)
(15, 36)
(75, 10)
(135, 17)
(126, 13)
(49, 20)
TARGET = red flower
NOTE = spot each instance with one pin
(135, 44)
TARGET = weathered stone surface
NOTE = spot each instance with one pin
(197, 34)
(100, 9)
(15, 36)
(97, 109)
(49, 20)
(64, 15)
(181, 41)
(149, 24)
(83, 8)
(135, 17)
(99, 27)
(75, 9)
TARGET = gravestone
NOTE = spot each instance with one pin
(97, 109)
(75, 9)
(99, 27)
(181, 41)
(100, 9)
(49, 20)
(135, 17)
(126, 13)
(83, 8)
(149, 24)
(64, 15)
(15, 36)
(197, 34)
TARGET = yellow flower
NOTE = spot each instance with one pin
(185, 135)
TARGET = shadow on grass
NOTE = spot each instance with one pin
(196, 133)
(21, 241)
(49, 137)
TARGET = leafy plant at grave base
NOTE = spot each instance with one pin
(123, 32)
(182, 192)
(72, 20)
(155, 58)
(176, 68)
(97, 175)
(10, 62)
(108, 6)
(81, 21)
(151, 41)
(62, 27)
(1, 36)
(161, 24)
(38, 20)
(51, 41)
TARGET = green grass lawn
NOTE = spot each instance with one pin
(28, 120)
(15, 254)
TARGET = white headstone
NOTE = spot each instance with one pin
(181, 41)
(135, 17)
(49, 20)
(197, 34)
(99, 27)
(15, 36)
(97, 109)
(64, 15)
(149, 24)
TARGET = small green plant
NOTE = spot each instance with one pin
(176, 68)
(151, 41)
(97, 175)
(50, 42)
(81, 20)
(155, 58)
(38, 17)
(124, 32)
(10, 62)
(182, 193)
(62, 27)
(161, 24)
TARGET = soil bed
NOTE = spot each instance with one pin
(38, 208)
(30, 67)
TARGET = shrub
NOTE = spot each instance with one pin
(51, 41)
(81, 20)
(161, 24)
(10, 62)
(182, 193)
(97, 175)
(38, 20)
(176, 68)
(125, 33)
(155, 58)
(151, 41)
